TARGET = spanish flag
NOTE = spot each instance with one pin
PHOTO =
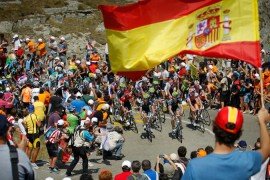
(147, 33)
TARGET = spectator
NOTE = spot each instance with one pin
(81, 140)
(7, 168)
(39, 109)
(193, 154)
(201, 152)
(32, 124)
(105, 175)
(136, 166)
(160, 170)
(182, 151)
(126, 167)
(41, 48)
(62, 50)
(225, 162)
(209, 149)
(146, 166)
(242, 145)
(26, 95)
(52, 145)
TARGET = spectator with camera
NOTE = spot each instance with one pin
(226, 162)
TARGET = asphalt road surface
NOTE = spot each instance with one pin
(136, 148)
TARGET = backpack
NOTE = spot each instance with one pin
(73, 136)
(48, 133)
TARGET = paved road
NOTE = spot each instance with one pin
(136, 148)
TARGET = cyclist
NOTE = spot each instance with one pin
(175, 107)
(195, 104)
(125, 96)
(145, 108)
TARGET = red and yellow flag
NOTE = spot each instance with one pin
(143, 35)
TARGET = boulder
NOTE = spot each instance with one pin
(6, 26)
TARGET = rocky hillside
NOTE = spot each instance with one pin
(77, 20)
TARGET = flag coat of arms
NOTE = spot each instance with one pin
(147, 33)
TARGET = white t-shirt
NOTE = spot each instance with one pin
(261, 174)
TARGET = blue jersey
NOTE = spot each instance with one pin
(235, 165)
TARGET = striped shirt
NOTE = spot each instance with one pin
(55, 136)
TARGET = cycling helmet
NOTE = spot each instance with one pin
(155, 82)
(123, 85)
(146, 95)
(92, 75)
(151, 90)
(175, 94)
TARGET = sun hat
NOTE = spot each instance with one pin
(60, 122)
(201, 153)
(229, 119)
(126, 163)
(174, 157)
(94, 119)
(78, 94)
(91, 102)
(105, 107)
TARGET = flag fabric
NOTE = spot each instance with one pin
(147, 33)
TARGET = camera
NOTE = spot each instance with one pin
(161, 156)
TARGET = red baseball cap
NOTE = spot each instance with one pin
(230, 119)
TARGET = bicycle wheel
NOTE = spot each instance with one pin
(158, 123)
(179, 134)
(200, 125)
(149, 134)
(206, 117)
(161, 117)
(133, 124)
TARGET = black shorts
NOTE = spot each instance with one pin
(34, 140)
(52, 149)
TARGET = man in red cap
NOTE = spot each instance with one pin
(226, 162)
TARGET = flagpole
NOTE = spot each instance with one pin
(261, 82)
